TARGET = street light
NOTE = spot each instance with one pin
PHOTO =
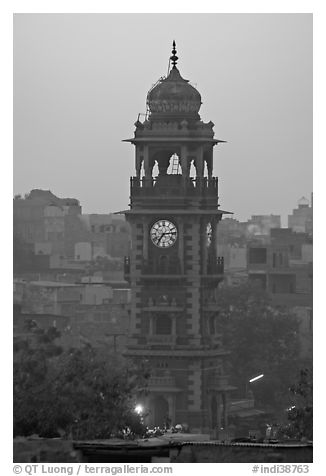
(139, 409)
(254, 379)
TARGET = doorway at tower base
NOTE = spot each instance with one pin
(160, 412)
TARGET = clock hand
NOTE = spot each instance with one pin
(161, 237)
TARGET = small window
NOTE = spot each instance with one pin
(163, 325)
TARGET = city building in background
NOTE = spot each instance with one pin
(301, 219)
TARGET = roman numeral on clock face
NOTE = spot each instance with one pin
(163, 233)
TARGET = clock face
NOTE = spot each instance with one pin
(209, 233)
(163, 233)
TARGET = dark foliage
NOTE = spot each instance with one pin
(82, 393)
(300, 412)
(261, 339)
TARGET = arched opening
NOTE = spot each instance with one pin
(163, 161)
(174, 165)
(205, 169)
(155, 170)
(160, 411)
(192, 170)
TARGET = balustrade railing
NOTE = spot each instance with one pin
(161, 339)
(161, 381)
(174, 185)
(173, 266)
(167, 266)
(215, 265)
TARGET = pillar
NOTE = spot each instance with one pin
(200, 162)
(139, 159)
(209, 162)
(145, 239)
(181, 245)
(214, 237)
(204, 247)
(147, 167)
(185, 163)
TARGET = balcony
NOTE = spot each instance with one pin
(173, 188)
(172, 267)
(161, 339)
(164, 299)
(161, 382)
(168, 266)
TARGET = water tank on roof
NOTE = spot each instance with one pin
(303, 202)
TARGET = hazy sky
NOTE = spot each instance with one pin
(80, 81)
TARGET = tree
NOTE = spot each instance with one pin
(300, 412)
(262, 339)
(82, 393)
(32, 354)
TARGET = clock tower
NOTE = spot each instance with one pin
(173, 269)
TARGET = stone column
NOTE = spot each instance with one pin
(204, 245)
(200, 162)
(214, 237)
(181, 244)
(147, 167)
(139, 159)
(209, 162)
(145, 239)
(185, 164)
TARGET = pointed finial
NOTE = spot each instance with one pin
(174, 58)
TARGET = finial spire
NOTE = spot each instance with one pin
(174, 58)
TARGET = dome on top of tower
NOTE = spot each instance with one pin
(174, 96)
